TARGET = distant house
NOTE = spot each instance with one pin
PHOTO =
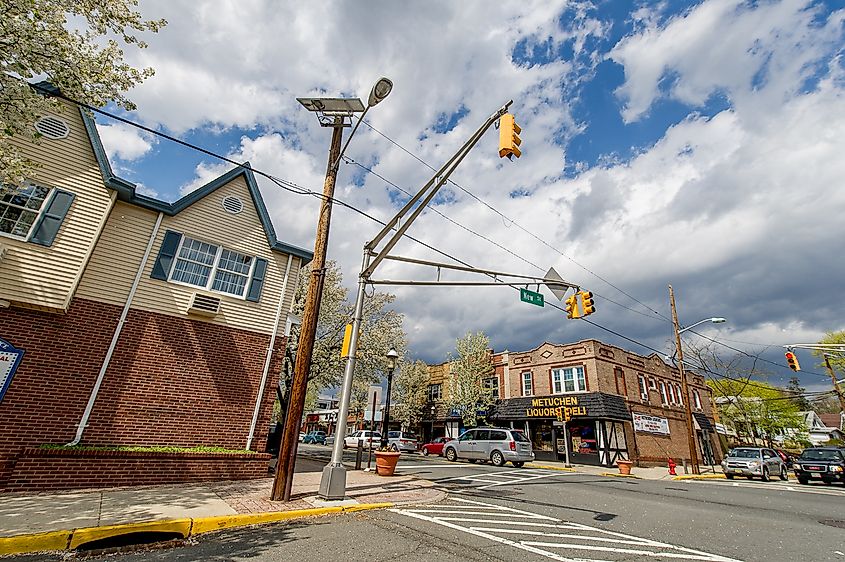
(833, 420)
(142, 322)
(819, 431)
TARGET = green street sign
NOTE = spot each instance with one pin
(531, 297)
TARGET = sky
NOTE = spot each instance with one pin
(697, 144)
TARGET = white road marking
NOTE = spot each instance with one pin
(784, 487)
(571, 536)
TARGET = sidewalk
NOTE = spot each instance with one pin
(644, 473)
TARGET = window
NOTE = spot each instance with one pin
(671, 389)
(493, 385)
(211, 267)
(570, 379)
(467, 435)
(663, 395)
(621, 387)
(652, 385)
(434, 392)
(679, 394)
(498, 435)
(527, 384)
(643, 388)
(20, 208)
(696, 399)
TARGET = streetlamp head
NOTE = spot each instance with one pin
(380, 90)
(392, 356)
(718, 320)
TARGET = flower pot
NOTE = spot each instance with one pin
(624, 466)
(386, 462)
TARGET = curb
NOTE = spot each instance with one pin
(72, 539)
(549, 467)
(699, 477)
(616, 475)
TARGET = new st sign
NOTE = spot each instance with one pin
(531, 297)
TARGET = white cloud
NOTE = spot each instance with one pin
(124, 141)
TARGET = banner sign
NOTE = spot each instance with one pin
(650, 424)
(10, 358)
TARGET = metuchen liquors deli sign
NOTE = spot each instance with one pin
(596, 405)
(561, 407)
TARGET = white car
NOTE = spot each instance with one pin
(365, 436)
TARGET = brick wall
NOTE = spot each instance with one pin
(47, 469)
(172, 380)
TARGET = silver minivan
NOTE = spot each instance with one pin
(498, 445)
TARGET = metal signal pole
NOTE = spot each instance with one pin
(693, 453)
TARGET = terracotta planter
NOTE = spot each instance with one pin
(386, 462)
(624, 466)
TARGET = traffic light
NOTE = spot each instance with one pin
(587, 303)
(792, 361)
(571, 307)
(509, 140)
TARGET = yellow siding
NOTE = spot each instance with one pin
(44, 277)
(115, 261)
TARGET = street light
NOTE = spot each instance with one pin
(391, 365)
(336, 113)
(693, 452)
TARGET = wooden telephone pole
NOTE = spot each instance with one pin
(693, 452)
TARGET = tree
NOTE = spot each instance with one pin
(467, 393)
(797, 391)
(410, 394)
(837, 360)
(37, 41)
(381, 329)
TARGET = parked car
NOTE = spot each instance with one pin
(435, 447)
(302, 435)
(402, 441)
(821, 463)
(754, 462)
(315, 437)
(787, 458)
(498, 445)
(365, 436)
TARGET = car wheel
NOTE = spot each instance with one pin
(518, 464)
(451, 455)
(783, 475)
(803, 480)
(425, 452)
(729, 476)
(497, 459)
(765, 477)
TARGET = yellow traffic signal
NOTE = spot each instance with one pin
(587, 303)
(571, 307)
(509, 140)
(792, 361)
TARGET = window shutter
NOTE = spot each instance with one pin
(52, 218)
(257, 283)
(166, 253)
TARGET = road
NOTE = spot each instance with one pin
(536, 514)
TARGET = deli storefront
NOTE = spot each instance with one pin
(591, 424)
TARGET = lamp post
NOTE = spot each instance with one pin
(336, 113)
(693, 452)
(392, 356)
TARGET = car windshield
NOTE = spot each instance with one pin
(394, 434)
(820, 455)
(745, 453)
(518, 436)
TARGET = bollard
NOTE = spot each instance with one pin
(359, 454)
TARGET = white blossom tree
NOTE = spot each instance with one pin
(410, 394)
(81, 57)
(467, 393)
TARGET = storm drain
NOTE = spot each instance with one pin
(140, 538)
(840, 523)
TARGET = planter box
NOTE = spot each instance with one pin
(64, 469)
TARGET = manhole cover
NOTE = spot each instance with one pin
(833, 523)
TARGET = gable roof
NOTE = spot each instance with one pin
(126, 190)
(831, 420)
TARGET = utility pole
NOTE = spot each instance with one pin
(308, 330)
(693, 453)
(839, 393)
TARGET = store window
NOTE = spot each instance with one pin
(570, 379)
(527, 384)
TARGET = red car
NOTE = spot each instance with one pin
(435, 447)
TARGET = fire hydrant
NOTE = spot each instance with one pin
(672, 466)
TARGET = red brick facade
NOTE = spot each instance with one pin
(47, 469)
(171, 381)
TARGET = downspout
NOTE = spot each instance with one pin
(266, 370)
(107, 360)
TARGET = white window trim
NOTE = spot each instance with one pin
(44, 205)
(530, 381)
(664, 397)
(643, 385)
(214, 268)
(431, 388)
(696, 399)
(575, 380)
(680, 394)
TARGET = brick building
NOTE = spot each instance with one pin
(142, 322)
(621, 405)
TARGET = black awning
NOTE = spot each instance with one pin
(589, 405)
(703, 422)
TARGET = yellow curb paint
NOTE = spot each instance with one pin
(365, 506)
(532, 465)
(698, 477)
(88, 534)
(209, 524)
(614, 475)
(38, 542)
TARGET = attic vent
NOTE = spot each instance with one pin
(52, 127)
(233, 204)
(204, 305)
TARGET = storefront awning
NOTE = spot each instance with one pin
(703, 422)
(588, 405)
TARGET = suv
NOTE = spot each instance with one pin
(368, 437)
(754, 462)
(498, 445)
(821, 463)
(402, 441)
(315, 437)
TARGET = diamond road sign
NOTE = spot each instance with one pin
(557, 289)
(531, 297)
